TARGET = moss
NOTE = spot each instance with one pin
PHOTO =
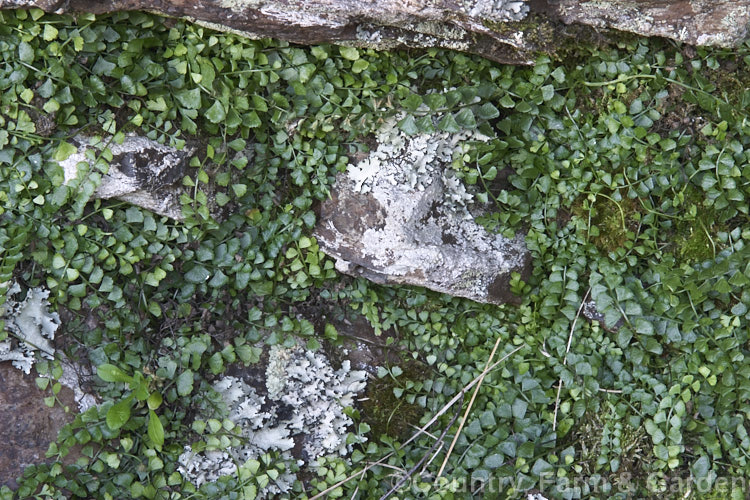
(538, 31)
(570, 44)
(693, 237)
(611, 224)
(693, 242)
(598, 442)
(731, 79)
(384, 412)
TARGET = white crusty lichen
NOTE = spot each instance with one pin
(31, 325)
(414, 161)
(497, 10)
(241, 5)
(303, 403)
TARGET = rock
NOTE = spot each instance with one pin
(591, 313)
(28, 425)
(722, 23)
(142, 172)
(507, 31)
(400, 217)
(460, 25)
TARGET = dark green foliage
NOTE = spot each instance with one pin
(626, 167)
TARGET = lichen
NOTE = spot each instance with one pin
(423, 35)
(241, 5)
(412, 161)
(497, 10)
(31, 325)
(304, 402)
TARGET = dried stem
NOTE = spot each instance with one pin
(422, 429)
(406, 476)
(565, 358)
(468, 409)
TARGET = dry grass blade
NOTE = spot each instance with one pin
(426, 426)
(406, 476)
(468, 409)
(565, 359)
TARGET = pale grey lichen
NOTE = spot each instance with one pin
(413, 161)
(432, 34)
(241, 5)
(497, 10)
(71, 379)
(31, 325)
(402, 215)
(304, 402)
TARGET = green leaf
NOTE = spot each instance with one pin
(465, 119)
(448, 124)
(190, 99)
(305, 242)
(248, 354)
(507, 101)
(63, 151)
(222, 199)
(25, 52)
(111, 373)
(644, 327)
(185, 383)
(237, 144)
(548, 92)
(219, 279)
(408, 125)
(27, 95)
(216, 363)
(155, 429)
(494, 461)
(103, 67)
(50, 33)
(359, 66)
(119, 414)
(558, 74)
(154, 400)
(216, 113)
(349, 53)
(252, 120)
(198, 274)
(487, 111)
(133, 214)
(701, 467)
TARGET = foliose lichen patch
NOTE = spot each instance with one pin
(497, 10)
(419, 229)
(300, 416)
(32, 327)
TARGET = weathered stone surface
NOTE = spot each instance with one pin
(496, 29)
(142, 172)
(698, 22)
(28, 425)
(591, 313)
(399, 217)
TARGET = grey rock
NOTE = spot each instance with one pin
(142, 172)
(383, 223)
(722, 23)
(507, 31)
